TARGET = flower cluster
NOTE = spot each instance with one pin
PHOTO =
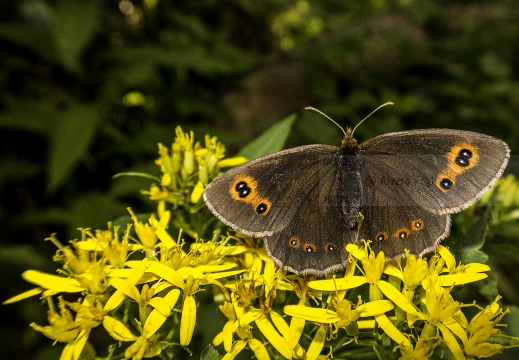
(140, 284)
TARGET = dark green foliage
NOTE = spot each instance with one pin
(88, 88)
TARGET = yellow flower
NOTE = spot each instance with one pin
(75, 262)
(462, 274)
(188, 320)
(344, 314)
(62, 327)
(239, 323)
(439, 302)
(422, 350)
(107, 243)
(72, 331)
(481, 328)
(143, 287)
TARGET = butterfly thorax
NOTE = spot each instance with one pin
(347, 187)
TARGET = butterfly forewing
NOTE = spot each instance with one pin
(442, 170)
(266, 192)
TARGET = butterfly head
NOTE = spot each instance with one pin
(349, 145)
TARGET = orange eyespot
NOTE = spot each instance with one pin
(417, 224)
(263, 207)
(460, 158)
(381, 236)
(309, 248)
(445, 183)
(294, 242)
(463, 156)
(330, 247)
(245, 189)
(402, 233)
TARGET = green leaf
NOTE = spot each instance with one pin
(272, 140)
(468, 248)
(29, 37)
(210, 353)
(75, 24)
(72, 135)
(512, 321)
(32, 116)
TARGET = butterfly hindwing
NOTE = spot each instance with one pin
(395, 229)
(314, 240)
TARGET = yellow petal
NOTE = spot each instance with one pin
(259, 349)
(296, 329)
(280, 323)
(197, 192)
(126, 288)
(391, 330)
(271, 334)
(236, 349)
(188, 320)
(452, 343)
(160, 305)
(234, 161)
(158, 316)
(356, 251)
(162, 234)
(166, 273)
(397, 297)
(218, 339)
(134, 277)
(224, 274)
(247, 318)
(375, 308)
(460, 278)
(25, 295)
(79, 344)
(317, 344)
(53, 282)
(257, 266)
(184, 272)
(117, 329)
(476, 267)
(227, 336)
(392, 270)
(323, 316)
(215, 268)
(366, 324)
(338, 284)
(446, 255)
(457, 329)
(67, 353)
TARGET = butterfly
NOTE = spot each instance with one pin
(397, 190)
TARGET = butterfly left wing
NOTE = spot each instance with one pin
(260, 197)
(284, 198)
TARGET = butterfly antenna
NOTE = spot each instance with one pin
(371, 113)
(326, 116)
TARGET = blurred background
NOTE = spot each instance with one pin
(88, 89)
